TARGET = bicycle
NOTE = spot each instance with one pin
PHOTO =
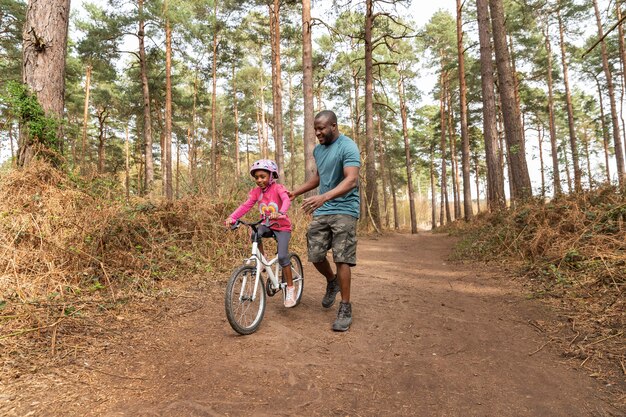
(245, 304)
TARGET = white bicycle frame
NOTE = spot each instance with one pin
(260, 261)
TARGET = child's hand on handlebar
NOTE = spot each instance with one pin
(275, 215)
(230, 221)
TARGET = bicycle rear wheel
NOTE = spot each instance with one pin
(298, 275)
(244, 306)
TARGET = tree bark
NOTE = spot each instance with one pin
(236, 114)
(145, 91)
(167, 149)
(407, 156)
(510, 110)
(444, 190)
(495, 181)
(381, 157)
(556, 174)
(277, 89)
(103, 114)
(83, 151)
(433, 195)
(543, 175)
(605, 132)
(214, 147)
(573, 141)
(43, 63)
(465, 149)
(619, 154)
(370, 162)
(307, 89)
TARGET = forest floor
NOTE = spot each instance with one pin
(430, 338)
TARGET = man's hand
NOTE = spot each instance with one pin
(291, 195)
(309, 205)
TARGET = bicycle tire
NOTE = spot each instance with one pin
(298, 275)
(244, 315)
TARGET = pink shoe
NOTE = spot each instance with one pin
(290, 296)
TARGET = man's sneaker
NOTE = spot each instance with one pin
(332, 288)
(344, 317)
(290, 296)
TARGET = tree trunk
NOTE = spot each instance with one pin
(264, 127)
(103, 114)
(236, 114)
(292, 145)
(43, 63)
(392, 184)
(510, 110)
(556, 174)
(619, 154)
(407, 156)
(573, 141)
(381, 156)
(83, 151)
(567, 174)
(476, 167)
(370, 162)
(465, 149)
(433, 195)
(605, 132)
(543, 175)
(454, 163)
(167, 150)
(145, 91)
(214, 150)
(495, 181)
(277, 89)
(193, 147)
(127, 165)
(622, 53)
(444, 190)
(307, 89)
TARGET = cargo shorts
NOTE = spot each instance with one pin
(336, 232)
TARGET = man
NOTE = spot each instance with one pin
(335, 212)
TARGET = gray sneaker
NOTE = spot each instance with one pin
(344, 317)
(332, 288)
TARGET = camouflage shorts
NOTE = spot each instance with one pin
(336, 232)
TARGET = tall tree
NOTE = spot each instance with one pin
(570, 110)
(495, 180)
(617, 141)
(43, 63)
(520, 179)
(307, 88)
(145, 95)
(465, 147)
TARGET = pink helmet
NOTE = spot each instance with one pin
(266, 165)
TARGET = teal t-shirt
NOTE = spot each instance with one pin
(330, 161)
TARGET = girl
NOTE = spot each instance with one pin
(273, 203)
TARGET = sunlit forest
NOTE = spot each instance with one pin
(127, 129)
(169, 98)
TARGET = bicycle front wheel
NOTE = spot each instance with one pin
(245, 304)
(298, 275)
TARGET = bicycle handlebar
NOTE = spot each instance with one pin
(265, 220)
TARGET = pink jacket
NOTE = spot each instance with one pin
(274, 199)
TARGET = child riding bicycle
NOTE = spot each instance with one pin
(273, 204)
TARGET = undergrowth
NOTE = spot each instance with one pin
(74, 254)
(571, 252)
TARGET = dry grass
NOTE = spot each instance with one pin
(572, 252)
(74, 258)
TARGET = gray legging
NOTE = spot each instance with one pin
(282, 238)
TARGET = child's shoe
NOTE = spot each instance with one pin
(290, 296)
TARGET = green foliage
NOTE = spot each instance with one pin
(23, 104)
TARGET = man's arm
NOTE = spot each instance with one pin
(350, 180)
(311, 184)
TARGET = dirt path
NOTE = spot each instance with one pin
(429, 338)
